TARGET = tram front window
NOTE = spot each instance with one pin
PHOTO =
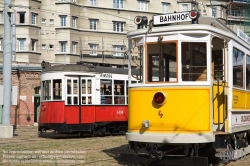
(57, 89)
(106, 91)
(46, 90)
(119, 95)
(162, 62)
(194, 61)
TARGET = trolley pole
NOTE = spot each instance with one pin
(6, 130)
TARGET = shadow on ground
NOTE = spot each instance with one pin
(127, 157)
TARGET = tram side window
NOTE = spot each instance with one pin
(72, 92)
(162, 62)
(194, 61)
(238, 68)
(248, 72)
(57, 89)
(119, 91)
(86, 91)
(46, 90)
(106, 91)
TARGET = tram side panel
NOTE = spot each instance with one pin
(114, 113)
(88, 114)
(51, 113)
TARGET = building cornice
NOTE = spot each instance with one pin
(37, 1)
(28, 25)
(29, 52)
(95, 7)
(80, 30)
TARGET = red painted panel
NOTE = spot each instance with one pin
(88, 114)
(72, 114)
(111, 113)
(52, 112)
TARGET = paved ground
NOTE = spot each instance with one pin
(26, 148)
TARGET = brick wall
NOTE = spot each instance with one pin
(26, 81)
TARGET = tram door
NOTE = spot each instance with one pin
(87, 99)
(79, 99)
(219, 99)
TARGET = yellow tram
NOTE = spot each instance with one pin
(193, 98)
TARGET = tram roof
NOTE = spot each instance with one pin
(87, 68)
(204, 24)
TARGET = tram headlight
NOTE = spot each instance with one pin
(141, 22)
(194, 15)
(159, 98)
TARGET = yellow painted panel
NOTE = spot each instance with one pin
(239, 99)
(185, 109)
(218, 103)
(247, 100)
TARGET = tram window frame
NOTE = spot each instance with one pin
(86, 91)
(164, 72)
(238, 76)
(106, 91)
(119, 92)
(72, 91)
(192, 60)
(46, 93)
(248, 72)
(57, 89)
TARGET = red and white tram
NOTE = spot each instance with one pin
(79, 98)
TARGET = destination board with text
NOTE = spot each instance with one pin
(171, 18)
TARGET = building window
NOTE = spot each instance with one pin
(93, 48)
(165, 7)
(44, 20)
(214, 12)
(33, 45)
(43, 46)
(51, 21)
(118, 49)
(184, 7)
(93, 24)
(63, 21)
(118, 4)
(118, 26)
(33, 19)
(235, 13)
(63, 46)
(93, 2)
(74, 1)
(63, 0)
(74, 22)
(21, 18)
(74, 47)
(21, 44)
(51, 47)
(142, 6)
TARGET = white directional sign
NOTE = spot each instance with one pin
(171, 18)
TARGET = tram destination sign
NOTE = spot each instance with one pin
(171, 18)
(243, 36)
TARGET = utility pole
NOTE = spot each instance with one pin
(6, 130)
